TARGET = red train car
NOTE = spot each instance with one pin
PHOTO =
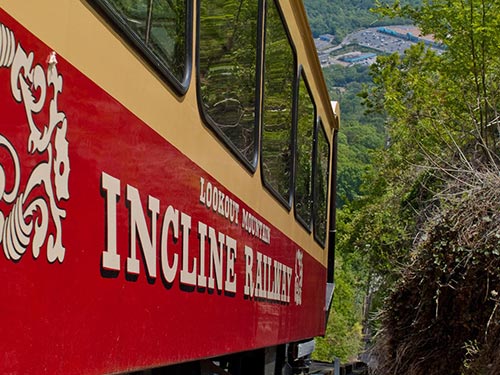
(165, 174)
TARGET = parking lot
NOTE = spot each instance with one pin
(371, 38)
(382, 42)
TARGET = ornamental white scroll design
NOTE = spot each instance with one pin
(28, 215)
(299, 276)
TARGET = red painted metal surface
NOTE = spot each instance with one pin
(112, 255)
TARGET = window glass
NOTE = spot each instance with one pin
(160, 25)
(228, 71)
(134, 13)
(321, 185)
(167, 33)
(306, 116)
(279, 68)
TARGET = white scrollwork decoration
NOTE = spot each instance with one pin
(299, 276)
(29, 213)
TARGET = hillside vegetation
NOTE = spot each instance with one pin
(443, 122)
(420, 237)
(361, 135)
(339, 17)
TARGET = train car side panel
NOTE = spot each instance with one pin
(118, 252)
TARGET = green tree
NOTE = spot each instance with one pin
(339, 17)
(433, 127)
(442, 123)
(450, 99)
(359, 137)
(440, 109)
(343, 338)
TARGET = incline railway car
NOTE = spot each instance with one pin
(165, 174)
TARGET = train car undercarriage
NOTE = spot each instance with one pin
(277, 360)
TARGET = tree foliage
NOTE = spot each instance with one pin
(449, 99)
(359, 137)
(340, 18)
(343, 338)
(433, 127)
(430, 207)
(360, 134)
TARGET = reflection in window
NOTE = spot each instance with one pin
(160, 25)
(134, 13)
(305, 129)
(279, 70)
(228, 70)
(321, 185)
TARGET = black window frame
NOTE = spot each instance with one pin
(321, 128)
(308, 226)
(250, 165)
(124, 30)
(284, 202)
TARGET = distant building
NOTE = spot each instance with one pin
(410, 33)
(327, 38)
(358, 58)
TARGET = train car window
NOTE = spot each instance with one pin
(134, 14)
(227, 40)
(322, 162)
(279, 77)
(306, 116)
(159, 28)
(166, 35)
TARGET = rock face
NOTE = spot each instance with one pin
(444, 318)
